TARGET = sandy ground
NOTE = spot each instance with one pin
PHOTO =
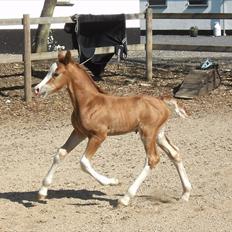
(31, 135)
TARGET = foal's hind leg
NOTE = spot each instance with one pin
(151, 160)
(92, 146)
(70, 144)
(173, 153)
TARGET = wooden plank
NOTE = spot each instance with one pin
(136, 47)
(27, 58)
(44, 20)
(11, 58)
(131, 47)
(199, 48)
(135, 16)
(149, 44)
(49, 55)
(44, 56)
(192, 16)
(101, 50)
(6, 22)
(53, 20)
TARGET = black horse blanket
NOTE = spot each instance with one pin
(92, 31)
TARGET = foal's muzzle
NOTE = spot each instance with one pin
(36, 90)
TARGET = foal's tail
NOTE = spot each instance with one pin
(171, 102)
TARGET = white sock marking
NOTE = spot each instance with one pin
(172, 152)
(49, 177)
(86, 166)
(136, 184)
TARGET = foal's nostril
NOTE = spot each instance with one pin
(36, 90)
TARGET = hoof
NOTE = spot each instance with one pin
(41, 197)
(185, 197)
(109, 181)
(114, 181)
(125, 200)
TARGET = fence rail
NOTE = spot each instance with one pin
(46, 20)
(27, 56)
(192, 16)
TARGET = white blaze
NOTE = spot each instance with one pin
(46, 78)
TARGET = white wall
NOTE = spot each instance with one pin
(181, 6)
(16, 9)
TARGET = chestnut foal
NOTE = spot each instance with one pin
(97, 115)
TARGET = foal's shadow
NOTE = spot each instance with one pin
(29, 199)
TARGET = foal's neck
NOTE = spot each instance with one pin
(82, 88)
(88, 81)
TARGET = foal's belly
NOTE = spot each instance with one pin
(122, 127)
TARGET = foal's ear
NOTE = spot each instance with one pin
(67, 58)
(64, 58)
(61, 56)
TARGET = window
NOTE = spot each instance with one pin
(157, 2)
(198, 2)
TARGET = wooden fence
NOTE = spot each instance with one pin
(27, 57)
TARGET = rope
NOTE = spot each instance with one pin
(87, 60)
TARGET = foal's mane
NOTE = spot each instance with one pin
(91, 79)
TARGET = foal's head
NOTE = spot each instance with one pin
(57, 77)
(61, 73)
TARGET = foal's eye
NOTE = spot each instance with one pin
(56, 74)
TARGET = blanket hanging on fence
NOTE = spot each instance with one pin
(91, 31)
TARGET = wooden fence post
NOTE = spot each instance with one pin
(27, 57)
(149, 43)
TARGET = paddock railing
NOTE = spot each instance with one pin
(27, 57)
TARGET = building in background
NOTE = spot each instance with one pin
(180, 26)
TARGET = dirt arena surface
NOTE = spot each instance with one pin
(31, 134)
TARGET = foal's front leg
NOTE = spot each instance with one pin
(73, 140)
(92, 146)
